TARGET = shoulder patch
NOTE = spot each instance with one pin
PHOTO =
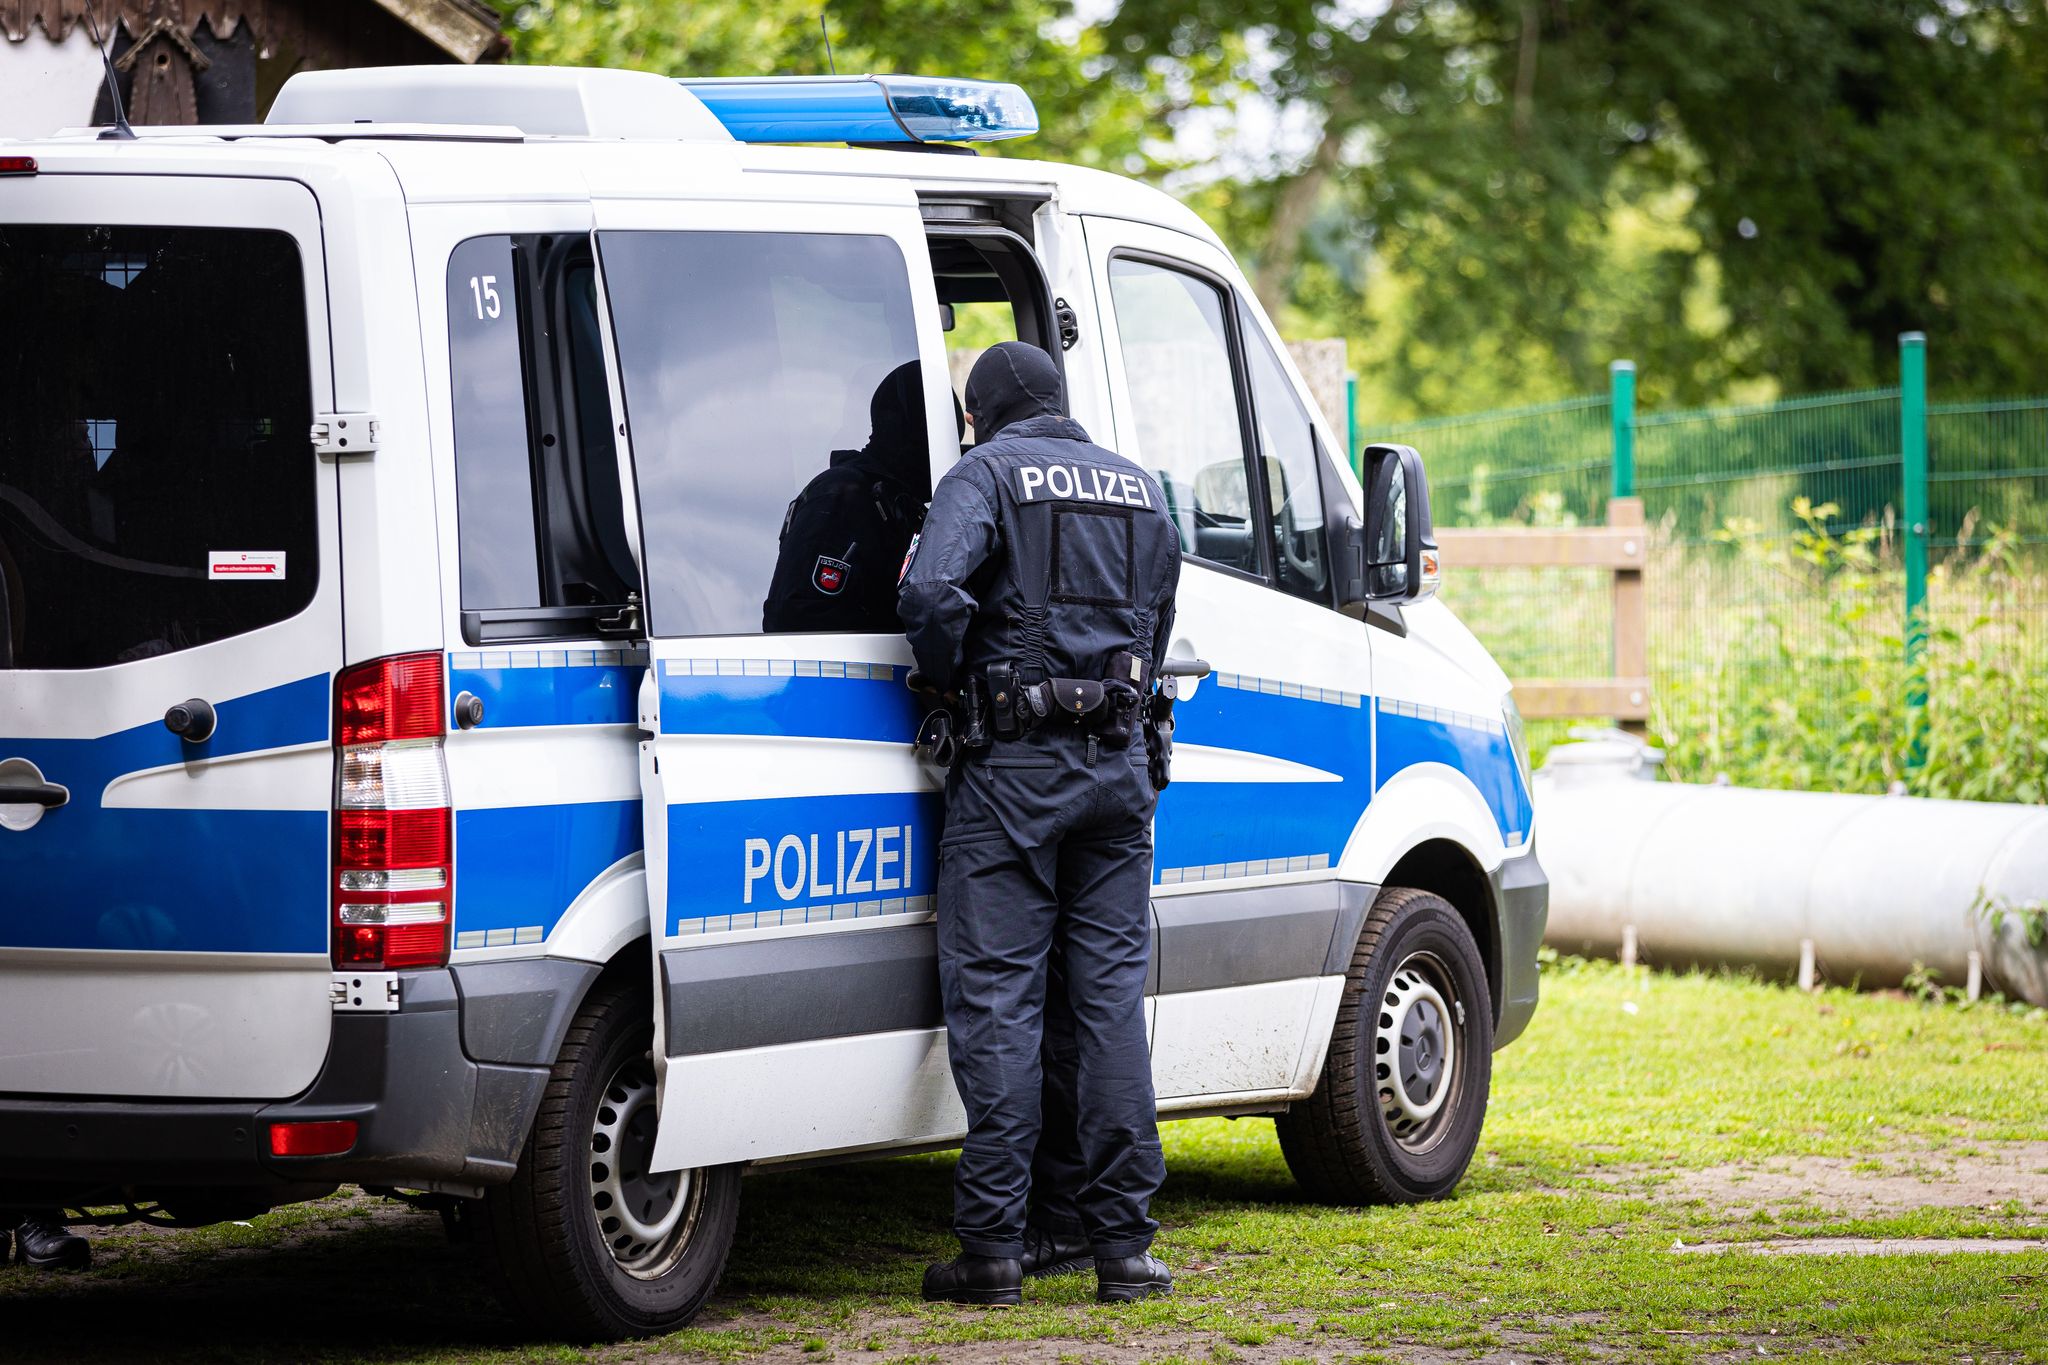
(829, 575)
(908, 555)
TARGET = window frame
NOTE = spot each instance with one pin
(539, 285)
(1255, 479)
(636, 502)
(1317, 452)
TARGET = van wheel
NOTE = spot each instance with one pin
(585, 1241)
(1396, 1116)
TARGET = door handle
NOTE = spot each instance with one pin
(48, 795)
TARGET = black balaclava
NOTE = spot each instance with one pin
(1012, 381)
(896, 439)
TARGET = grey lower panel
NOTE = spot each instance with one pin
(1213, 939)
(516, 1012)
(1522, 889)
(723, 997)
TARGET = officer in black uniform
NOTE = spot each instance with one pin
(1039, 595)
(845, 535)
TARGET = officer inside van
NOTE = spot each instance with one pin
(1039, 594)
(845, 535)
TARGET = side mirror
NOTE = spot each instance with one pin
(1400, 539)
(1392, 558)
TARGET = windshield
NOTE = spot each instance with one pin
(156, 472)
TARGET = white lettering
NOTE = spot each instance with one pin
(1057, 476)
(818, 865)
(789, 888)
(757, 866)
(1029, 480)
(1094, 475)
(839, 867)
(886, 857)
(1134, 491)
(855, 883)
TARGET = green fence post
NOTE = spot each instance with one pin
(1913, 474)
(1351, 422)
(1621, 392)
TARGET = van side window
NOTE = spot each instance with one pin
(1294, 489)
(157, 478)
(1176, 353)
(777, 413)
(493, 447)
(539, 517)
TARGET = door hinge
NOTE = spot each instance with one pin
(346, 433)
(366, 991)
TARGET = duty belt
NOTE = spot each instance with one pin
(1104, 707)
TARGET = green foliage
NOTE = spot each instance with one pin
(1812, 694)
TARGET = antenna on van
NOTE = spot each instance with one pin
(830, 60)
(120, 131)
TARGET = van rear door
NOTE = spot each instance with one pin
(167, 536)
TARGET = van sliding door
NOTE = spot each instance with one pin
(786, 404)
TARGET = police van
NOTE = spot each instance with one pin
(400, 784)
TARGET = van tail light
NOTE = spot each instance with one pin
(17, 165)
(394, 863)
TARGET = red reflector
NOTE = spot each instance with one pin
(394, 838)
(329, 1137)
(387, 699)
(17, 165)
(359, 945)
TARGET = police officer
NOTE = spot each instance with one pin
(1039, 594)
(845, 535)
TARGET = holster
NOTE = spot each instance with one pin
(1159, 739)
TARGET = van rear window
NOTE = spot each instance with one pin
(157, 480)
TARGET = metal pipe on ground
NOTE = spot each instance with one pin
(1880, 885)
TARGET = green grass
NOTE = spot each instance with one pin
(1558, 1246)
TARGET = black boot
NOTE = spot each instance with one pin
(41, 1241)
(1121, 1279)
(990, 1281)
(1055, 1251)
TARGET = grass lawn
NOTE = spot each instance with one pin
(1639, 1115)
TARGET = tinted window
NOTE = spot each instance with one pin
(1176, 353)
(157, 479)
(754, 367)
(1293, 481)
(493, 454)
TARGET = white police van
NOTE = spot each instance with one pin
(398, 786)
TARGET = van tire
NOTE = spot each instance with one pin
(1342, 1142)
(539, 1237)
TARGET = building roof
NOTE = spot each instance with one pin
(467, 30)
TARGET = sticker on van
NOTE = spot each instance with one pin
(263, 564)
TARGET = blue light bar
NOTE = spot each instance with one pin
(907, 109)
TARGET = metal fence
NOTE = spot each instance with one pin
(1906, 504)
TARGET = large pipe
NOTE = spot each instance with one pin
(1712, 874)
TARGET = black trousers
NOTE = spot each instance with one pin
(1048, 844)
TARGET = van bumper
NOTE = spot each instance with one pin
(1522, 891)
(428, 1116)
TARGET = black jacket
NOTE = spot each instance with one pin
(845, 535)
(1041, 549)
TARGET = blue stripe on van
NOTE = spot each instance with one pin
(1208, 830)
(170, 880)
(799, 858)
(565, 694)
(1480, 752)
(520, 867)
(814, 706)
